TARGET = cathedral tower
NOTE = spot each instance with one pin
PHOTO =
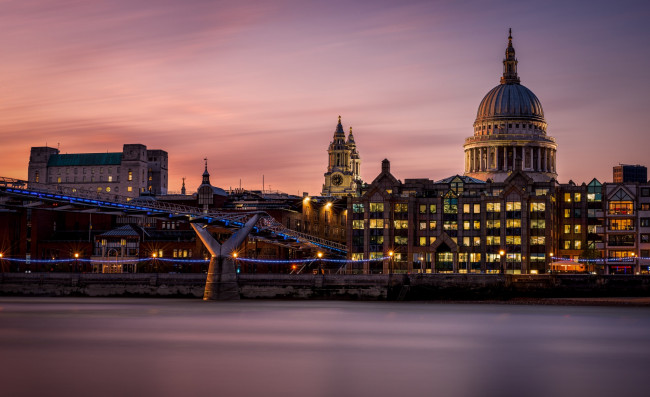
(344, 165)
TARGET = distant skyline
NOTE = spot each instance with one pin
(257, 87)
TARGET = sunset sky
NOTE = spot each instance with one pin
(257, 86)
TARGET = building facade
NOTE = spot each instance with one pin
(132, 172)
(343, 174)
(630, 173)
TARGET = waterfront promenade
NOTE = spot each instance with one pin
(391, 287)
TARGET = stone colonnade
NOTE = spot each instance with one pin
(503, 158)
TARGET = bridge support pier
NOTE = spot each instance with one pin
(221, 283)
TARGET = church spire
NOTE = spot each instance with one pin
(510, 64)
(206, 174)
(350, 138)
(339, 134)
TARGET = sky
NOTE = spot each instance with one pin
(257, 86)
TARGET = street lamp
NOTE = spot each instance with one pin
(502, 259)
(320, 263)
(76, 259)
(390, 261)
(153, 262)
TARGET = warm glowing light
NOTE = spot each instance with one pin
(502, 252)
(234, 255)
(320, 254)
(533, 272)
(76, 255)
(390, 253)
(154, 255)
(1, 254)
(306, 200)
(550, 254)
(294, 267)
(328, 205)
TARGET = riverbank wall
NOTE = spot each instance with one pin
(393, 287)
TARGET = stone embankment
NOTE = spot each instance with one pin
(441, 287)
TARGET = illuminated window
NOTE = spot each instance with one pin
(537, 223)
(567, 244)
(36, 177)
(130, 177)
(493, 224)
(492, 240)
(433, 208)
(567, 197)
(567, 213)
(376, 207)
(493, 207)
(399, 207)
(357, 208)
(477, 208)
(357, 224)
(513, 240)
(450, 204)
(577, 197)
(108, 189)
(466, 225)
(477, 225)
(375, 224)
(401, 240)
(535, 207)
(537, 240)
(577, 244)
(423, 209)
(513, 223)
(513, 206)
(423, 226)
(58, 180)
(432, 225)
(567, 228)
(432, 240)
(129, 188)
(110, 178)
(450, 225)
(401, 224)
(466, 208)
(423, 241)
(576, 229)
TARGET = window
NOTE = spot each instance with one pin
(477, 225)
(576, 229)
(492, 240)
(536, 207)
(537, 240)
(357, 208)
(58, 180)
(513, 240)
(577, 213)
(432, 240)
(450, 205)
(577, 244)
(401, 224)
(567, 197)
(401, 207)
(645, 238)
(423, 208)
(477, 241)
(36, 177)
(477, 208)
(644, 222)
(567, 244)
(645, 192)
(466, 209)
(513, 206)
(493, 207)
(432, 225)
(513, 223)
(537, 223)
(422, 241)
(130, 177)
(375, 223)
(401, 240)
(357, 224)
(645, 207)
(129, 188)
(567, 228)
(108, 189)
(432, 208)
(450, 225)
(567, 213)
(376, 207)
(423, 226)
(466, 225)
(577, 197)
(493, 224)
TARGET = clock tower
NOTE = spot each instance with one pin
(344, 165)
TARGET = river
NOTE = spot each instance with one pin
(157, 347)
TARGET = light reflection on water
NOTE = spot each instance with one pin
(114, 347)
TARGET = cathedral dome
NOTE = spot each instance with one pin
(510, 101)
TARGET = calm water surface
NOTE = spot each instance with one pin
(145, 347)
